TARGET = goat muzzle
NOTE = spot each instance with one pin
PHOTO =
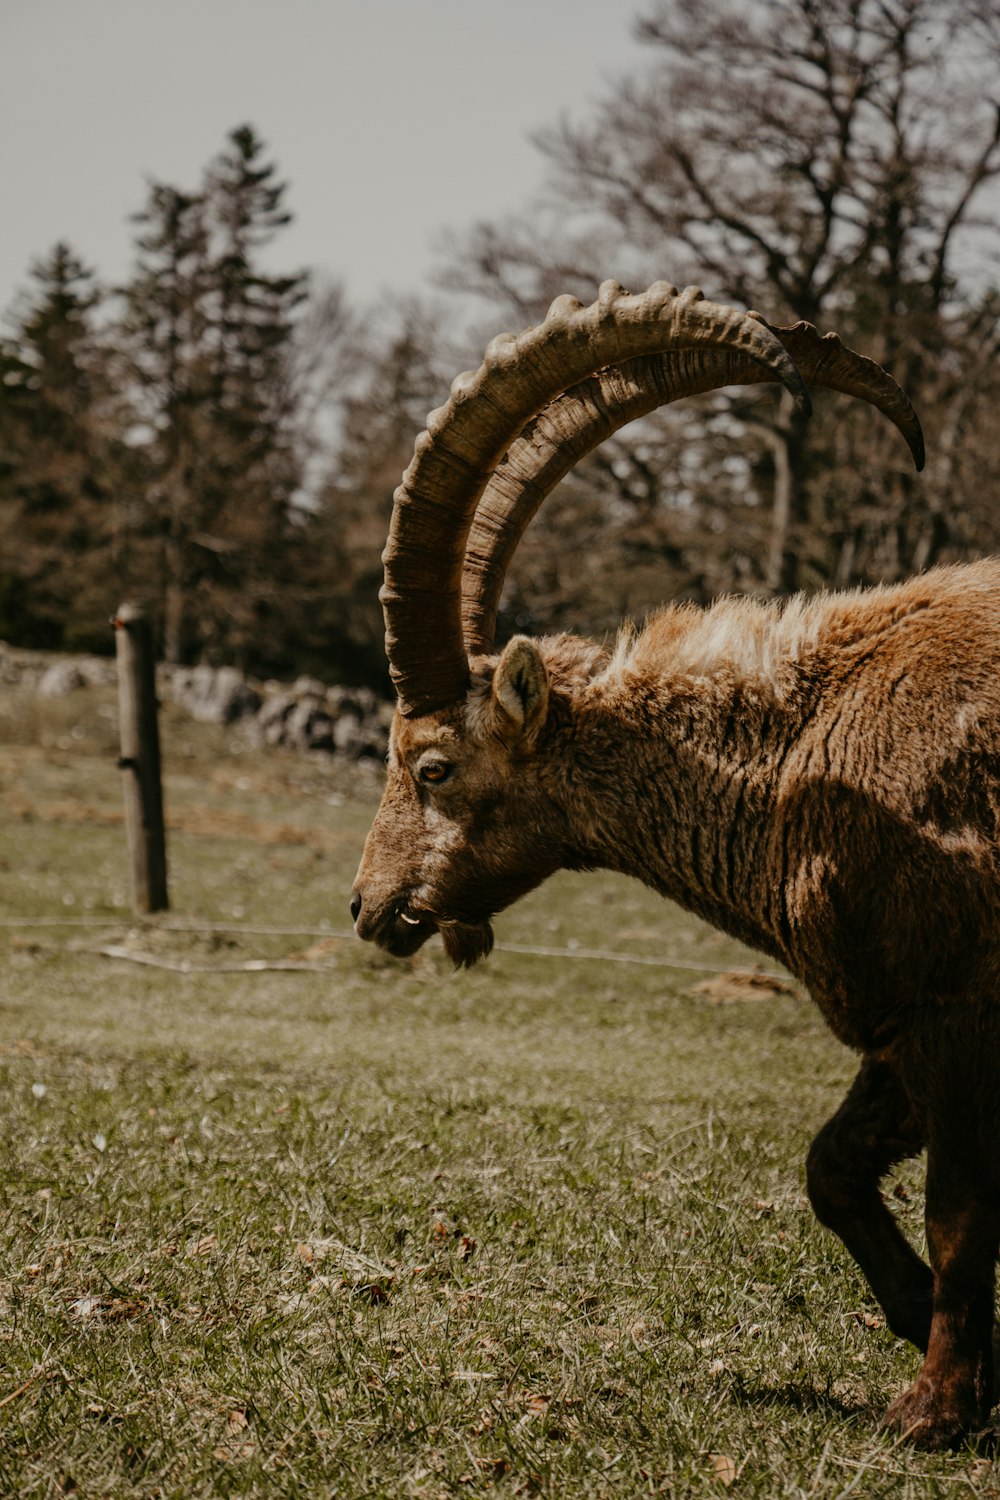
(393, 925)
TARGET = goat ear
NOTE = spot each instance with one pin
(521, 689)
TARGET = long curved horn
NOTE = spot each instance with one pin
(468, 437)
(576, 422)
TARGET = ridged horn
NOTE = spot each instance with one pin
(582, 418)
(488, 409)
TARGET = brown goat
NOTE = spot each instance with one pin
(820, 779)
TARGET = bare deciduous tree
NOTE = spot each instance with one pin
(825, 161)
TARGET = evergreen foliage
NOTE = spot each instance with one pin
(209, 335)
(59, 460)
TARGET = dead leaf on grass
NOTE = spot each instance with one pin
(376, 1291)
(231, 1453)
(536, 1405)
(354, 1266)
(107, 1309)
(326, 948)
(724, 1468)
(739, 986)
(496, 1468)
(236, 1446)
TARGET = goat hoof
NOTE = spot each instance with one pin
(926, 1417)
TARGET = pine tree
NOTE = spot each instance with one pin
(257, 445)
(59, 480)
(165, 331)
(211, 337)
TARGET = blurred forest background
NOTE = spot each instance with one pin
(221, 440)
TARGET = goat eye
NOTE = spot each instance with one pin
(435, 771)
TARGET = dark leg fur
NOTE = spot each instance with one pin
(872, 1130)
(952, 1074)
(954, 1390)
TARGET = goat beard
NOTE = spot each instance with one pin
(467, 942)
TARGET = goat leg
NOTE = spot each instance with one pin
(948, 1064)
(872, 1130)
(954, 1391)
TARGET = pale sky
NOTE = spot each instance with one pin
(393, 120)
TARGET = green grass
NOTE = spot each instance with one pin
(385, 1230)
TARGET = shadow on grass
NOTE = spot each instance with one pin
(801, 1399)
(982, 1444)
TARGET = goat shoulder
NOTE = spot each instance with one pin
(820, 778)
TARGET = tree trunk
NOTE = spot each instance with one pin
(790, 501)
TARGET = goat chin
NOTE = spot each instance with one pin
(467, 942)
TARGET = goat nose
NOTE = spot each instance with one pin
(355, 906)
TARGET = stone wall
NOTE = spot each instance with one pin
(352, 723)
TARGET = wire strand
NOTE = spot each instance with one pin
(529, 950)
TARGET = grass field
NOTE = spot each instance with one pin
(369, 1228)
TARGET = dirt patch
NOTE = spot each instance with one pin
(741, 986)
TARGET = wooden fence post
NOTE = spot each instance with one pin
(140, 759)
